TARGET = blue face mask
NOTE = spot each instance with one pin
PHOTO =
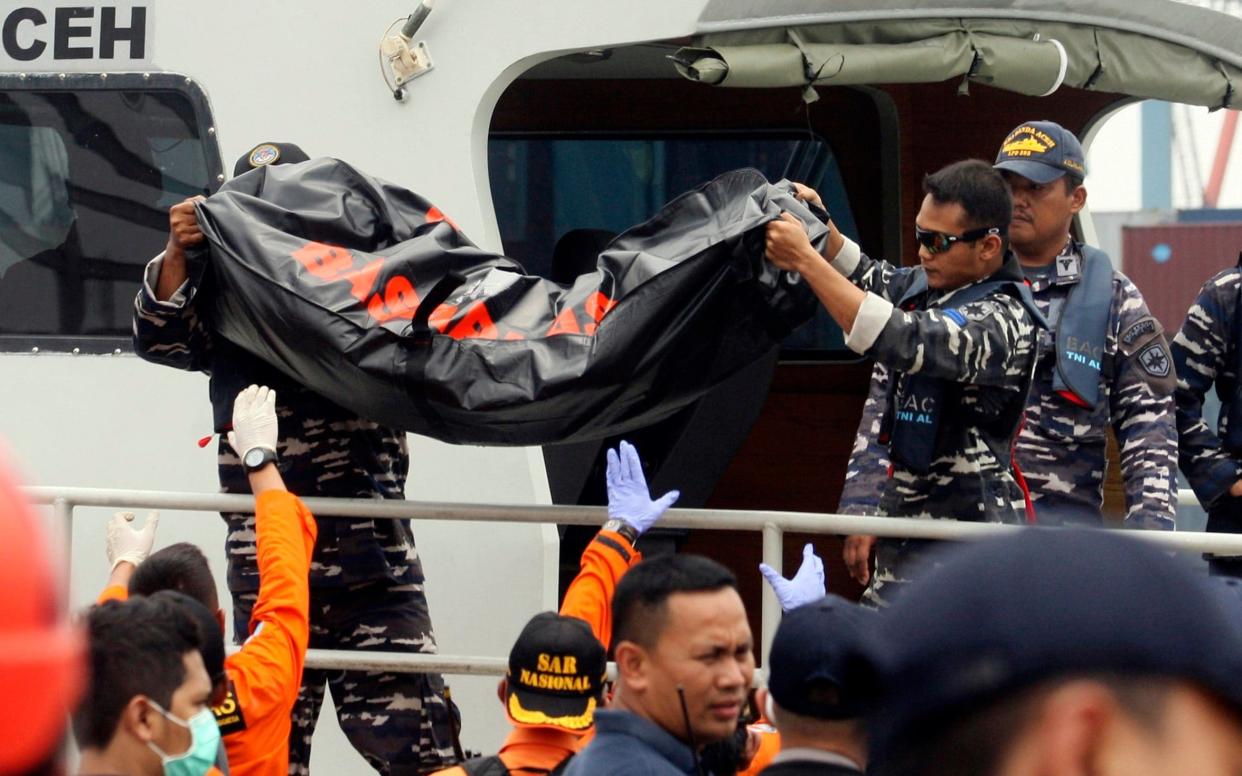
(204, 742)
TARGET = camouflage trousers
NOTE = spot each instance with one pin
(401, 723)
(897, 563)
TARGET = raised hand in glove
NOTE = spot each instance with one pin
(254, 420)
(806, 586)
(629, 500)
(129, 545)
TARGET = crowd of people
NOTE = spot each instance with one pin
(1001, 363)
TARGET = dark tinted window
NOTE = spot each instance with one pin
(86, 179)
(558, 198)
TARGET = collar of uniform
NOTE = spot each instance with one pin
(614, 722)
(1046, 276)
(541, 746)
(1010, 269)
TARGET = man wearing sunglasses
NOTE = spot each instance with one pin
(959, 336)
(1103, 362)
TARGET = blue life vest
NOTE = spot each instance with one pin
(918, 404)
(1082, 331)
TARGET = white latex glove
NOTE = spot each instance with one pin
(254, 420)
(806, 586)
(126, 544)
(628, 497)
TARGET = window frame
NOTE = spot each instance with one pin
(104, 81)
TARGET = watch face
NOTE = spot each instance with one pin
(254, 457)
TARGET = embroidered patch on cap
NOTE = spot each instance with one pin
(264, 154)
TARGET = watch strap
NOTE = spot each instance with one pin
(623, 528)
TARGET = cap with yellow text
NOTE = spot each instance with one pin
(556, 674)
(1041, 151)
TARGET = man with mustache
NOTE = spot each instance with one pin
(685, 661)
(1103, 363)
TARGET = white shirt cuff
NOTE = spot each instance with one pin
(150, 279)
(846, 260)
(873, 315)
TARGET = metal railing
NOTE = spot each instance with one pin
(772, 525)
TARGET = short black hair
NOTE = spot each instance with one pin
(978, 188)
(210, 637)
(639, 604)
(182, 567)
(137, 647)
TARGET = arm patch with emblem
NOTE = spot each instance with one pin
(229, 713)
(1144, 343)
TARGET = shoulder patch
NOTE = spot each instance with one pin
(229, 713)
(1145, 326)
(1139, 334)
(1154, 360)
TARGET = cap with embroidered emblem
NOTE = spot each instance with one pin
(556, 674)
(1041, 151)
(265, 154)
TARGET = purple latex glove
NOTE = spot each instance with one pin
(806, 586)
(629, 499)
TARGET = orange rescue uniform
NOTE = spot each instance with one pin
(266, 673)
(589, 598)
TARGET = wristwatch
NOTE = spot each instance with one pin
(258, 457)
(623, 528)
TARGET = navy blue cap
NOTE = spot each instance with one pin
(268, 153)
(1004, 614)
(1042, 151)
(818, 665)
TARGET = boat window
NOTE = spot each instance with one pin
(560, 198)
(86, 179)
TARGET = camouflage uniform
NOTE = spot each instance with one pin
(1205, 351)
(366, 577)
(984, 350)
(1061, 448)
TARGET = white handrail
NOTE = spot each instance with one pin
(772, 525)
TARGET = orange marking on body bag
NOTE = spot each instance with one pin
(475, 324)
(597, 306)
(324, 261)
(362, 281)
(565, 323)
(442, 316)
(435, 215)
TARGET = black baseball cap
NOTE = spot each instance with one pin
(265, 154)
(817, 666)
(1041, 151)
(1001, 615)
(556, 674)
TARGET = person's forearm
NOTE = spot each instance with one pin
(265, 479)
(172, 272)
(121, 575)
(840, 297)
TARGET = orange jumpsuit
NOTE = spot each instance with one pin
(265, 674)
(589, 598)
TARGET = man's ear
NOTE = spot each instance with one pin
(1069, 729)
(137, 719)
(1078, 199)
(990, 248)
(632, 666)
(502, 689)
(220, 619)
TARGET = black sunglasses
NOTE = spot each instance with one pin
(939, 242)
